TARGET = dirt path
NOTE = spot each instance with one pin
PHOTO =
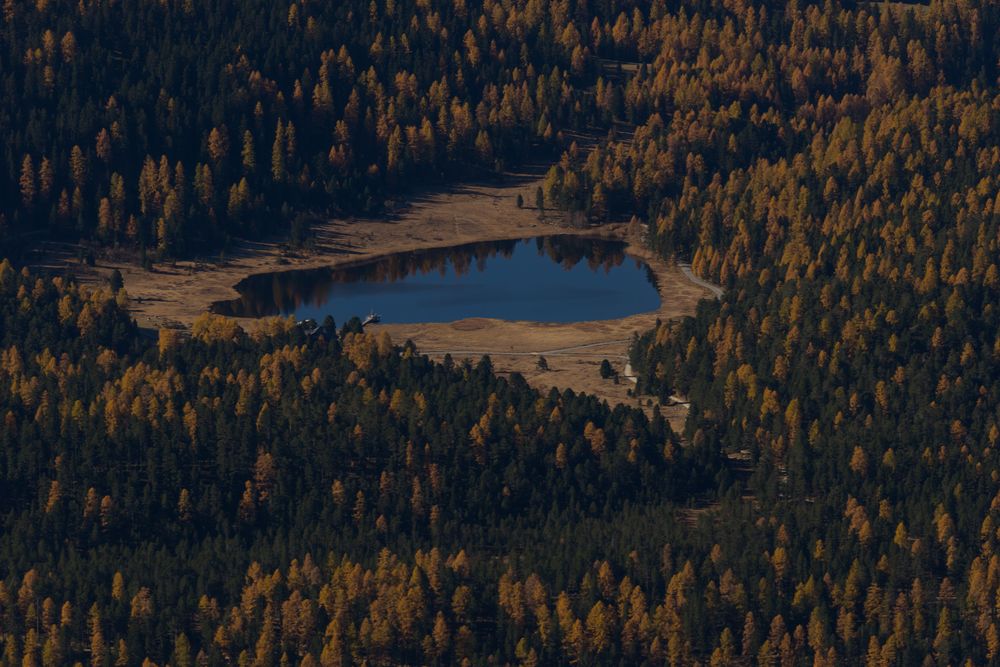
(714, 289)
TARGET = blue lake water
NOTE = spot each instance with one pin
(544, 279)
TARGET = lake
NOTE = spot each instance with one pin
(546, 279)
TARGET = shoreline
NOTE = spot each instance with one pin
(610, 232)
(173, 294)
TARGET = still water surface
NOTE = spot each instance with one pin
(544, 279)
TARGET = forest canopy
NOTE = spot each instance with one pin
(270, 497)
(170, 127)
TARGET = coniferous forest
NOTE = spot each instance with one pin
(219, 496)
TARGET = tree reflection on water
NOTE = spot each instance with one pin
(286, 292)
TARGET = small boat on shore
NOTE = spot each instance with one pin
(373, 318)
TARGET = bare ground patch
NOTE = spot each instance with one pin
(573, 352)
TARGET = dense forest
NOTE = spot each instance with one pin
(276, 498)
(842, 182)
(169, 127)
(274, 494)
